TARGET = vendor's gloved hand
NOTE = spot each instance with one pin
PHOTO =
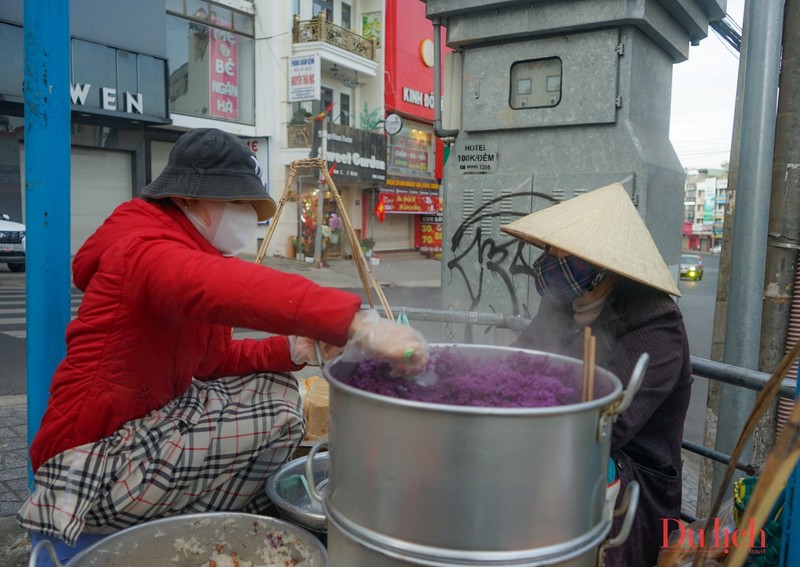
(302, 350)
(372, 336)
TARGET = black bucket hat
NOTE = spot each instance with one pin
(207, 163)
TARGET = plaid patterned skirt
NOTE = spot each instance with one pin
(211, 449)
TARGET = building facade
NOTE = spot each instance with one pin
(705, 199)
(295, 79)
(411, 197)
(385, 69)
(118, 91)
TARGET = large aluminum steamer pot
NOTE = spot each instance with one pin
(357, 546)
(190, 540)
(476, 479)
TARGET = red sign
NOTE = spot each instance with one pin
(408, 82)
(223, 75)
(428, 233)
(414, 204)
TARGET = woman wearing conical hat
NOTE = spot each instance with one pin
(601, 268)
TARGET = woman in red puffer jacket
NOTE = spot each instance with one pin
(156, 410)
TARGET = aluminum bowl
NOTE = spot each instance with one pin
(191, 540)
(288, 489)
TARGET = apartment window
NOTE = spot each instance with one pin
(346, 19)
(344, 109)
(211, 55)
(323, 6)
(327, 100)
(302, 112)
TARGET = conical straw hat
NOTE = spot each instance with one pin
(604, 228)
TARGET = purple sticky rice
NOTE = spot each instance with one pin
(275, 539)
(516, 380)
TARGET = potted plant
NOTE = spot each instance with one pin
(300, 116)
(367, 244)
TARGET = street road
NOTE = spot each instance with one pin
(697, 305)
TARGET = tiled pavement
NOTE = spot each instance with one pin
(14, 543)
(13, 463)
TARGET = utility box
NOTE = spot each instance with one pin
(551, 99)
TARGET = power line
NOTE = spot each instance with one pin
(728, 30)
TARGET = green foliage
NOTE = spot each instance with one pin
(300, 116)
(370, 120)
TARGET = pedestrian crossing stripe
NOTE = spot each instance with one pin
(14, 304)
(73, 301)
(243, 334)
(17, 310)
(12, 311)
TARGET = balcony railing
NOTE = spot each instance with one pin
(299, 135)
(320, 29)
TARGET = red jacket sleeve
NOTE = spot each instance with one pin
(175, 279)
(250, 355)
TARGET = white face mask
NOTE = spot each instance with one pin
(231, 228)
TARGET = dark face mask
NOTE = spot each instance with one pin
(564, 279)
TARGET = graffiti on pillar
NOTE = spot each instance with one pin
(499, 259)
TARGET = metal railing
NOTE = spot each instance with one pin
(299, 135)
(742, 378)
(739, 377)
(320, 29)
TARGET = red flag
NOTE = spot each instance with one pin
(330, 173)
(321, 116)
(380, 209)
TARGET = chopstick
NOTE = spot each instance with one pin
(589, 345)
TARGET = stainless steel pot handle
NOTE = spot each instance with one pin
(629, 505)
(633, 384)
(51, 551)
(312, 487)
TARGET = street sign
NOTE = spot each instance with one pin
(392, 124)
